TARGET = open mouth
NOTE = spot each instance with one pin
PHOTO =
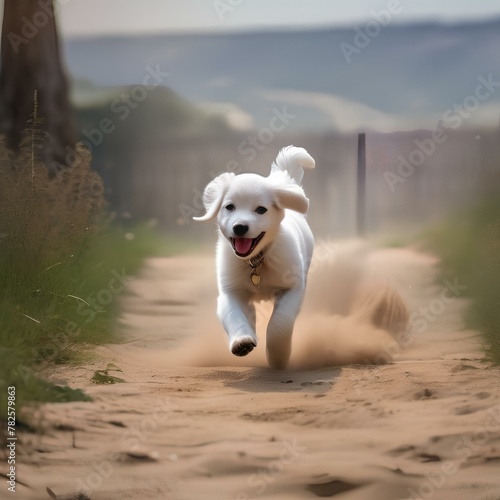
(243, 247)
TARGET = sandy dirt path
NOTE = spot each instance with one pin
(425, 426)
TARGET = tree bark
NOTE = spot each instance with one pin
(30, 60)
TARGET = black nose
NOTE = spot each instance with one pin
(239, 229)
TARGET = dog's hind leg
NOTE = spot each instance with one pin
(238, 318)
(384, 308)
(280, 328)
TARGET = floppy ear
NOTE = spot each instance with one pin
(213, 195)
(291, 196)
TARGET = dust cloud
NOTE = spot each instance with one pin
(347, 317)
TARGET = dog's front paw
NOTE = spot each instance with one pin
(243, 345)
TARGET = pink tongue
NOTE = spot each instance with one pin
(243, 245)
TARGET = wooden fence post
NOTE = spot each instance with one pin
(361, 186)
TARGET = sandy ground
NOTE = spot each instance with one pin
(193, 422)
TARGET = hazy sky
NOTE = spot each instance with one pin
(90, 17)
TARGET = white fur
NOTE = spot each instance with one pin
(287, 243)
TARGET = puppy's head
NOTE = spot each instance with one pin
(249, 208)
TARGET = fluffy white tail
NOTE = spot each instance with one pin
(293, 160)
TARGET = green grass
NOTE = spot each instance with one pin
(52, 313)
(63, 267)
(469, 246)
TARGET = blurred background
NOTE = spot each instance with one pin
(166, 95)
(169, 94)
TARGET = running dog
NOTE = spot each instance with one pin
(263, 252)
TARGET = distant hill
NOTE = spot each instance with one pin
(406, 77)
(123, 133)
(157, 146)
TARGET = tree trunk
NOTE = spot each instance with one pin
(30, 60)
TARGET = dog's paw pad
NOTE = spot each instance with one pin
(244, 346)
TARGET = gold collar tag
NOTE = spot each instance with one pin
(255, 277)
(255, 264)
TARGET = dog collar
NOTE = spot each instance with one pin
(255, 263)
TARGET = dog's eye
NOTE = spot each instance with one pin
(261, 210)
(230, 207)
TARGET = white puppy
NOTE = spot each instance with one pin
(263, 252)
